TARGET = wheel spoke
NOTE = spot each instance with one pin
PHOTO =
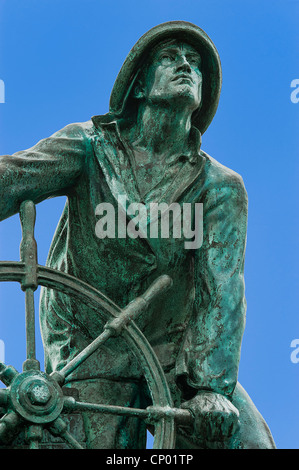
(31, 362)
(7, 374)
(4, 395)
(59, 428)
(73, 405)
(117, 325)
(69, 439)
(151, 413)
(34, 435)
(28, 251)
(83, 355)
(10, 426)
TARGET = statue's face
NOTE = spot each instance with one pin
(174, 74)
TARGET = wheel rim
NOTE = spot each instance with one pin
(49, 278)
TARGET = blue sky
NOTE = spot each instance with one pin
(59, 60)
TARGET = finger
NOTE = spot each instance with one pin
(229, 425)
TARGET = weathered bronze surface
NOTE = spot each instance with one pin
(139, 330)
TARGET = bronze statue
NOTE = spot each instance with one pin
(147, 150)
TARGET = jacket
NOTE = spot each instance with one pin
(197, 326)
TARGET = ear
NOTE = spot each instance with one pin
(138, 90)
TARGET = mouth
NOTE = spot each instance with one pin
(182, 77)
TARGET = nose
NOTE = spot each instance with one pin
(183, 64)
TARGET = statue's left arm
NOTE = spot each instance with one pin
(209, 359)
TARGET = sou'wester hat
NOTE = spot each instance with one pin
(210, 68)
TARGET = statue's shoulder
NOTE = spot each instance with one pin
(78, 129)
(219, 176)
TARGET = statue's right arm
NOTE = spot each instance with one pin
(50, 168)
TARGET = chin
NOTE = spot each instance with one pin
(181, 96)
(185, 95)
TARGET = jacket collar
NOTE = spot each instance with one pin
(115, 163)
(118, 170)
(192, 153)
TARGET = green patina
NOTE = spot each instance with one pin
(138, 331)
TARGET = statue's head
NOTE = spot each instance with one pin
(173, 61)
(170, 75)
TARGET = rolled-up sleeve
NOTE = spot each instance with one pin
(210, 354)
(50, 168)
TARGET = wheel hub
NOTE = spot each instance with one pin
(36, 397)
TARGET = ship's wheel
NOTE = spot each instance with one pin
(33, 401)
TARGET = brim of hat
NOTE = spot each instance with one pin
(211, 68)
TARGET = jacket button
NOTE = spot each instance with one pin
(151, 259)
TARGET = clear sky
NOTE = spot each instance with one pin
(58, 62)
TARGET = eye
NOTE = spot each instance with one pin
(194, 61)
(166, 58)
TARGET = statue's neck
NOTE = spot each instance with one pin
(161, 131)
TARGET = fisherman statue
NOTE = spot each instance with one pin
(146, 153)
